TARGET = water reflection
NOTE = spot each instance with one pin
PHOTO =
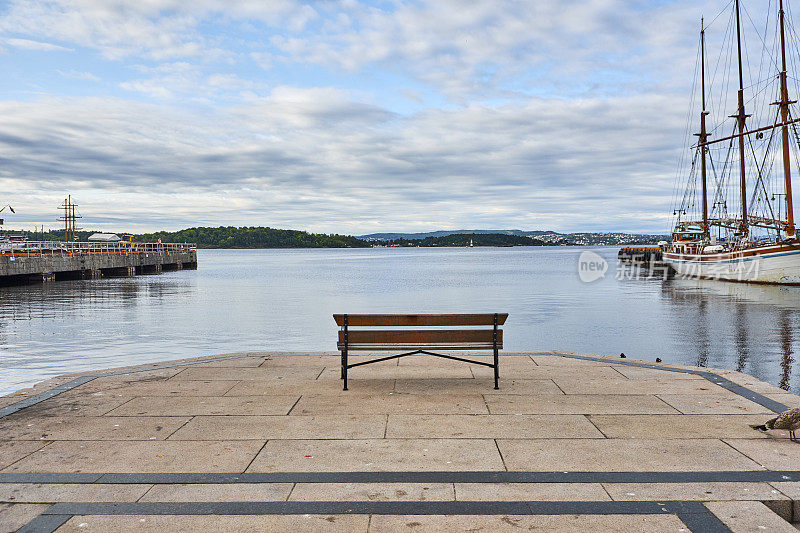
(755, 319)
(786, 347)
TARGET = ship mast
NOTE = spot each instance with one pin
(784, 105)
(741, 117)
(703, 135)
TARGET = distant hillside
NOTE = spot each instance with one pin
(254, 237)
(551, 238)
(445, 233)
(465, 239)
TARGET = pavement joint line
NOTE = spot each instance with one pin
(295, 405)
(499, 476)
(692, 513)
(716, 379)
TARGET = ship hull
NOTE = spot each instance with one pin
(777, 265)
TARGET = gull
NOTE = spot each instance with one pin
(786, 420)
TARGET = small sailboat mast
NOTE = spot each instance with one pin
(784, 106)
(703, 134)
(741, 117)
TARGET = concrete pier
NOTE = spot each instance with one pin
(45, 262)
(268, 441)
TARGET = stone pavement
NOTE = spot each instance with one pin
(252, 442)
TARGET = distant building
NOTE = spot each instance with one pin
(104, 237)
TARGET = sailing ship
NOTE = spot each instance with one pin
(745, 231)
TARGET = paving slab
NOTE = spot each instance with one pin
(476, 386)
(634, 372)
(24, 427)
(140, 456)
(533, 371)
(327, 386)
(159, 387)
(377, 371)
(547, 360)
(240, 362)
(218, 523)
(791, 489)
(11, 451)
(353, 402)
(516, 361)
(678, 426)
(708, 491)
(543, 492)
(377, 455)
(373, 492)
(772, 453)
(566, 523)
(623, 455)
(138, 373)
(14, 516)
(70, 492)
(223, 492)
(76, 402)
(702, 491)
(726, 403)
(751, 383)
(283, 427)
(491, 426)
(581, 385)
(207, 405)
(578, 404)
(743, 517)
(294, 360)
(121, 380)
(277, 373)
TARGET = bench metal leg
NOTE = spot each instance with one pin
(496, 361)
(344, 368)
(496, 369)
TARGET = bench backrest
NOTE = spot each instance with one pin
(440, 339)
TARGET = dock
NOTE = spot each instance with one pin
(37, 262)
(269, 441)
(644, 260)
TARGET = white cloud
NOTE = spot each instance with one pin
(28, 44)
(162, 30)
(78, 75)
(262, 59)
(314, 159)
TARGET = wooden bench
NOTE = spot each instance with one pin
(420, 341)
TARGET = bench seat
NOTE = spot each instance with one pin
(420, 341)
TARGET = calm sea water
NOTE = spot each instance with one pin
(258, 300)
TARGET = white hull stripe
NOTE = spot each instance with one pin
(738, 260)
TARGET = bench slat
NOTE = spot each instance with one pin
(410, 347)
(420, 337)
(463, 319)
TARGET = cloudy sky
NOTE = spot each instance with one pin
(346, 116)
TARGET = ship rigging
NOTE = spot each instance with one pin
(735, 219)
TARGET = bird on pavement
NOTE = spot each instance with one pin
(786, 420)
